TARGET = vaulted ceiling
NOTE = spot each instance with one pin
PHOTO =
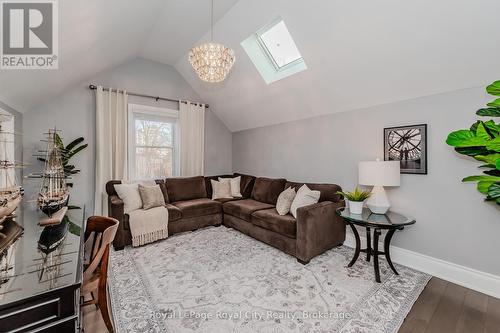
(358, 53)
(95, 35)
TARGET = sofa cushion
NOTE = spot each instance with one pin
(198, 207)
(267, 189)
(246, 184)
(223, 200)
(163, 188)
(328, 191)
(174, 213)
(244, 208)
(269, 219)
(181, 189)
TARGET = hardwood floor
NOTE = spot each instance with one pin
(443, 307)
(447, 307)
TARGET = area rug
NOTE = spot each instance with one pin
(220, 280)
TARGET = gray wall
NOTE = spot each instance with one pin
(73, 111)
(18, 140)
(453, 222)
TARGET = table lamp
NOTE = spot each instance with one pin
(379, 174)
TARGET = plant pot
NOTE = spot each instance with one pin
(356, 207)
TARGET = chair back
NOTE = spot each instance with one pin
(100, 232)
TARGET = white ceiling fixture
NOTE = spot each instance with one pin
(212, 62)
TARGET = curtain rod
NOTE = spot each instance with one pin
(157, 98)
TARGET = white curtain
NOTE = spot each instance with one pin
(111, 143)
(192, 138)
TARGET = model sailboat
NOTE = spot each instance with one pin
(11, 192)
(54, 193)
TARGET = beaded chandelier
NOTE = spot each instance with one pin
(211, 61)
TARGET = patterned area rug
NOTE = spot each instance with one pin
(220, 280)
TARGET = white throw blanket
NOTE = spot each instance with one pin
(148, 225)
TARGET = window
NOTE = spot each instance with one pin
(280, 45)
(274, 52)
(153, 142)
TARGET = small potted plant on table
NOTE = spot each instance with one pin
(356, 199)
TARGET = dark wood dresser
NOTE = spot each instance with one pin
(40, 277)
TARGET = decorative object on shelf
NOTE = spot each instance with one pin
(356, 199)
(11, 193)
(67, 153)
(55, 219)
(379, 174)
(54, 193)
(53, 235)
(211, 61)
(11, 232)
(407, 144)
(482, 142)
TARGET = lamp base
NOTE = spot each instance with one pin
(378, 202)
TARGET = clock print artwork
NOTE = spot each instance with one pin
(407, 144)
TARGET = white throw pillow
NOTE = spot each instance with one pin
(130, 195)
(285, 200)
(304, 197)
(221, 190)
(235, 185)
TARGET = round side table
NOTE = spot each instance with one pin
(389, 221)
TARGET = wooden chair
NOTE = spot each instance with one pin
(99, 234)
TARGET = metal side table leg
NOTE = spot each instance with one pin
(376, 234)
(358, 245)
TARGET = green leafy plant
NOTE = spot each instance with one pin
(357, 195)
(482, 142)
(67, 153)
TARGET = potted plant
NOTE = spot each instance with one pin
(356, 199)
(482, 142)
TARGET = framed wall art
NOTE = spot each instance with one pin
(407, 144)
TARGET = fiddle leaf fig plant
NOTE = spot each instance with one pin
(482, 142)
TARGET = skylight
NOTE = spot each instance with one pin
(280, 45)
(274, 52)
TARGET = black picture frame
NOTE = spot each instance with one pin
(407, 144)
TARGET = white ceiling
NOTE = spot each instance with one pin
(359, 53)
(180, 24)
(95, 35)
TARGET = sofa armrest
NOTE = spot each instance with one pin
(116, 210)
(319, 229)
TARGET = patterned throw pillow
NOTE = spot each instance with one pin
(151, 196)
(221, 190)
(285, 200)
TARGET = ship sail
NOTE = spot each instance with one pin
(10, 191)
(54, 193)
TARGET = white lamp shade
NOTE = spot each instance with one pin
(379, 173)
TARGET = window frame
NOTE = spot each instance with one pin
(268, 53)
(153, 113)
(263, 60)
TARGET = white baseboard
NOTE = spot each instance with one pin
(467, 277)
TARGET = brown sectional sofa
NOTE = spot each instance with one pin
(316, 229)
